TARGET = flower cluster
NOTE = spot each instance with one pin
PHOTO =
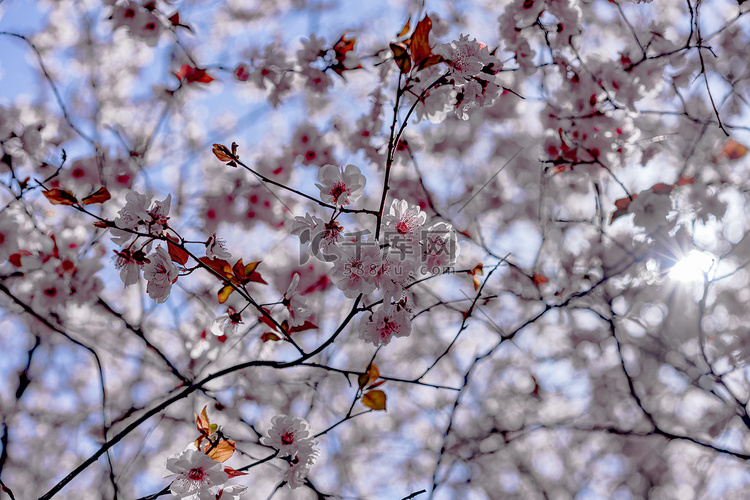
(406, 249)
(140, 20)
(198, 477)
(139, 214)
(291, 437)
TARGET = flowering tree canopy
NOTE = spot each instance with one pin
(301, 249)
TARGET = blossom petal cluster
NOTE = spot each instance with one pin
(196, 473)
(340, 186)
(292, 438)
(406, 249)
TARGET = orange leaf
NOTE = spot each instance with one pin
(540, 278)
(405, 29)
(222, 451)
(60, 197)
(420, 44)
(224, 293)
(221, 152)
(477, 270)
(685, 180)
(374, 400)
(343, 46)
(476, 282)
(401, 56)
(99, 196)
(250, 268)
(371, 375)
(732, 150)
(202, 423)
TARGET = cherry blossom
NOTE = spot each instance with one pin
(650, 209)
(291, 437)
(466, 57)
(355, 268)
(286, 434)
(216, 248)
(340, 186)
(388, 321)
(195, 472)
(139, 212)
(160, 273)
(226, 325)
(130, 263)
(440, 248)
(319, 238)
(296, 304)
(300, 463)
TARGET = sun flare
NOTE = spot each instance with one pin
(692, 267)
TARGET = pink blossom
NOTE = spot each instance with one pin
(195, 472)
(160, 273)
(340, 186)
(387, 322)
(216, 248)
(466, 57)
(286, 434)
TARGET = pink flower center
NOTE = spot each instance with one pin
(388, 329)
(287, 438)
(403, 227)
(337, 191)
(196, 474)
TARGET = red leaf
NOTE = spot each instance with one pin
(301, 328)
(420, 44)
(176, 253)
(269, 336)
(662, 188)
(193, 75)
(264, 319)
(60, 197)
(233, 473)
(99, 196)
(376, 384)
(221, 266)
(622, 207)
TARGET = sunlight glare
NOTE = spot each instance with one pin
(692, 267)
